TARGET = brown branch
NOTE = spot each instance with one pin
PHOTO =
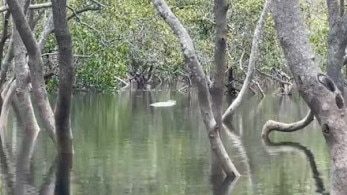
(251, 64)
(271, 125)
(342, 7)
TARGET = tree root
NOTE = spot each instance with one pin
(271, 125)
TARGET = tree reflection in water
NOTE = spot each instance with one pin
(272, 147)
(18, 175)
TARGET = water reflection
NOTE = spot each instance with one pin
(273, 147)
(18, 172)
(124, 146)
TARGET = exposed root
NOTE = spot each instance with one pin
(271, 125)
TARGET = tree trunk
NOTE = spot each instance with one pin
(337, 42)
(35, 65)
(66, 76)
(63, 107)
(317, 89)
(200, 81)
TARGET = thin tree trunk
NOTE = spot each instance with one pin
(66, 76)
(251, 65)
(63, 107)
(200, 81)
(35, 66)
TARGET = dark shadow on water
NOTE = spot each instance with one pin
(274, 147)
(64, 165)
(18, 175)
(223, 185)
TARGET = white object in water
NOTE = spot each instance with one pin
(164, 104)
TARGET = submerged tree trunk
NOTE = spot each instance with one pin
(212, 122)
(251, 64)
(317, 89)
(63, 107)
(66, 76)
(35, 65)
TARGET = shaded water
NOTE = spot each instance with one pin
(124, 146)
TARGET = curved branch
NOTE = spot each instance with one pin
(253, 57)
(271, 125)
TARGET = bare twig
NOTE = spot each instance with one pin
(274, 78)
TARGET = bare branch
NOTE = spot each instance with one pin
(85, 9)
(271, 125)
(253, 57)
(33, 6)
(274, 78)
(47, 30)
(259, 88)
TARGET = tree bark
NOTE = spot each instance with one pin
(63, 107)
(66, 76)
(271, 125)
(251, 65)
(35, 66)
(337, 42)
(317, 89)
(200, 81)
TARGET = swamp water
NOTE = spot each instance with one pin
(124, 146)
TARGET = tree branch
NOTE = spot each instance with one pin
(271, 125)
(253, 57)
(32, 6)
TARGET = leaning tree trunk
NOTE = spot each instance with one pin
(200, 80)
(317, 89)
(35, 65)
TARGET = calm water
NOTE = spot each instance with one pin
(124, 146)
